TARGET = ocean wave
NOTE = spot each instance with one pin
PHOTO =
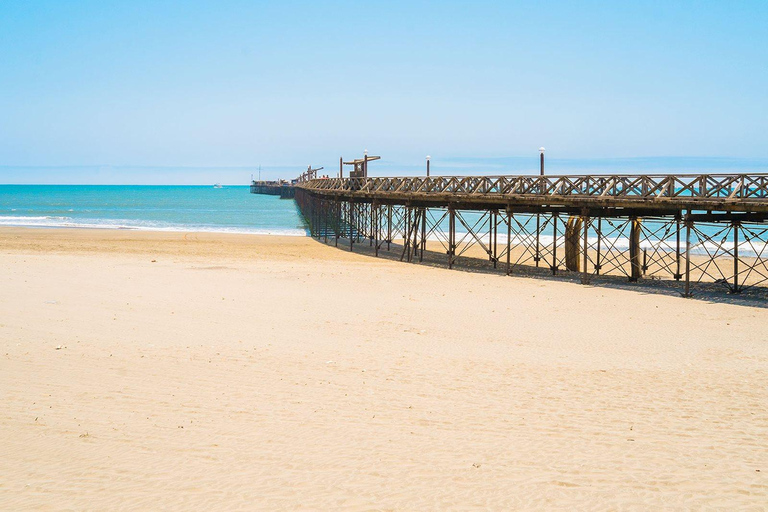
(139, 225)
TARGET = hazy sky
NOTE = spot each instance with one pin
(236, 84)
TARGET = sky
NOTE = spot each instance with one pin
(177, 92)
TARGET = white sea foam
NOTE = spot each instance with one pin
(139, 225)
(607, 243)
(699, 248)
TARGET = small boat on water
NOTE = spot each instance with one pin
(217, 185)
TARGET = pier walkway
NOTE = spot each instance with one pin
(708, 228)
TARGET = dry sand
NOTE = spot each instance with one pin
(152, 371)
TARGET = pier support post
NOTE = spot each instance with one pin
(736, 225)
(599, 241)
(495, 237)
(375, 228)
(554, 244)
(688, 223)
(423, 232)
(338, 221)
(572, 243)
(509, 241)
(416, 230)
(537, 254)
(585, 248)
(406, 234)
(351, 224)
(326, 206)
(678, 217)
(451, 235)
(634, 249)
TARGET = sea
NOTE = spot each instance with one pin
(233, 209)
(230, 209)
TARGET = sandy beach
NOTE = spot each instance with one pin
(173, 371)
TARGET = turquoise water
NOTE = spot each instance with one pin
(230, 209)
(158, 208)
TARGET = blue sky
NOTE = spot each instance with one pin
(133, 91)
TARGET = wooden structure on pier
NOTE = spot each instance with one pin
(707, 228)
(360, 166)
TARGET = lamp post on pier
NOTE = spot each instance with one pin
(365, 163)
(541, 151)
(428, 166)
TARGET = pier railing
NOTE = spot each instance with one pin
(722, 187)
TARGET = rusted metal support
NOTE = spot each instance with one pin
(406, 234)
(375, 228)
(585, 248)
(537, 255)
(423, 229)
(509, 241)
(325, 221)
(599, 240)
(416, 223)
(678, 217)
(360, 221)
(495, 237)
(490, 237)
(634, 249)
(735, 288)
(370, 223)
(554, 244)
(338, 222)
(572, 243)
(451, 235)
(389, 225)
(645, 261)
(688, 223)
(351, 224)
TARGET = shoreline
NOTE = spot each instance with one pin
(222, 231)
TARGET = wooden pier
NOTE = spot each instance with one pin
(280, 188)
(283, 188)
(707, 228)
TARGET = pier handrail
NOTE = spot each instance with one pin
(725, 187)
